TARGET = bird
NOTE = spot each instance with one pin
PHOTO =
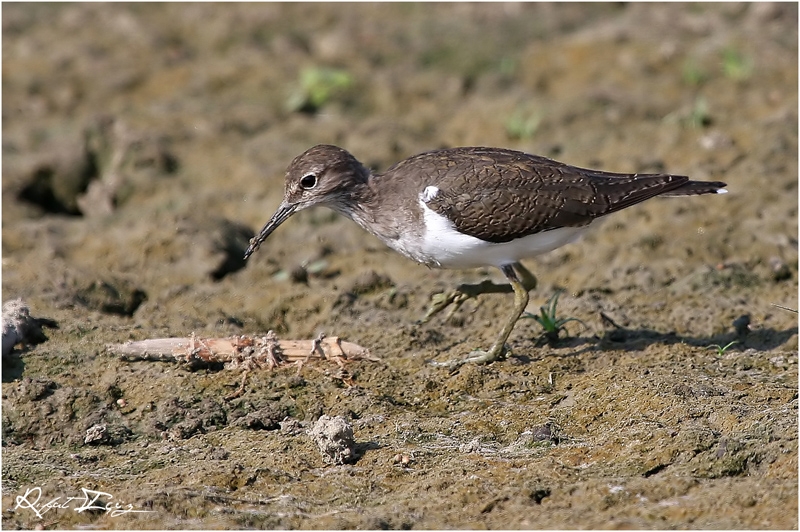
(469, 207)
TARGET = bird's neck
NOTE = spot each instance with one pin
(357, 199)
(378, 204)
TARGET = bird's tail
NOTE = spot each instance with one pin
(693, 188)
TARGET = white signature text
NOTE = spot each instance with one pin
(90, 500)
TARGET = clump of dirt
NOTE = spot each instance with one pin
(144, 144)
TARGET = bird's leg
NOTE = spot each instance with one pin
(463, 292)
(527, 279)
(520, 302)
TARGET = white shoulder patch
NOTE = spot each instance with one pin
(429, 193)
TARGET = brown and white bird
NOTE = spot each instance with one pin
(470, 207)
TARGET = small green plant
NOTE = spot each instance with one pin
(507, 66)
(551, 324)
(522, 125)
(693, 74)
(735, 65)
(721, 350)
(317, 87)
(700, 115)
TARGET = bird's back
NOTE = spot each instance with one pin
(499, 195)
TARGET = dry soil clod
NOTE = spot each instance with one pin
(334, 438)
(20, 327)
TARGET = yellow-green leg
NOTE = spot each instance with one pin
(464, 292)
(520, 288)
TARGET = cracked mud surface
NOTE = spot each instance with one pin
(144, 144)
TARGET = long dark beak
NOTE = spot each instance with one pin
(280, 216)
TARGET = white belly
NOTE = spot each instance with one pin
(445, 247)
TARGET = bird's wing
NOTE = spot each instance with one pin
(499, 195)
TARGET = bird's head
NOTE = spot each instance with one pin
(323, 175)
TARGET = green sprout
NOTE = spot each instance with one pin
(317, 87)
(522, 125)
(547, 319)
(735, 65)
(507, 66)
(700, 116)
(693, 74)
(721, 350)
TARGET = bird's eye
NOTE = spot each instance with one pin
(308, 181)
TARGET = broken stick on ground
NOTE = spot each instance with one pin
(245, 352)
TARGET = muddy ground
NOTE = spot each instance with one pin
(144, 144)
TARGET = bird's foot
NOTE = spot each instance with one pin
(459, 295)
(478, 356)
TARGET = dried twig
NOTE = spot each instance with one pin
(247, 352)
